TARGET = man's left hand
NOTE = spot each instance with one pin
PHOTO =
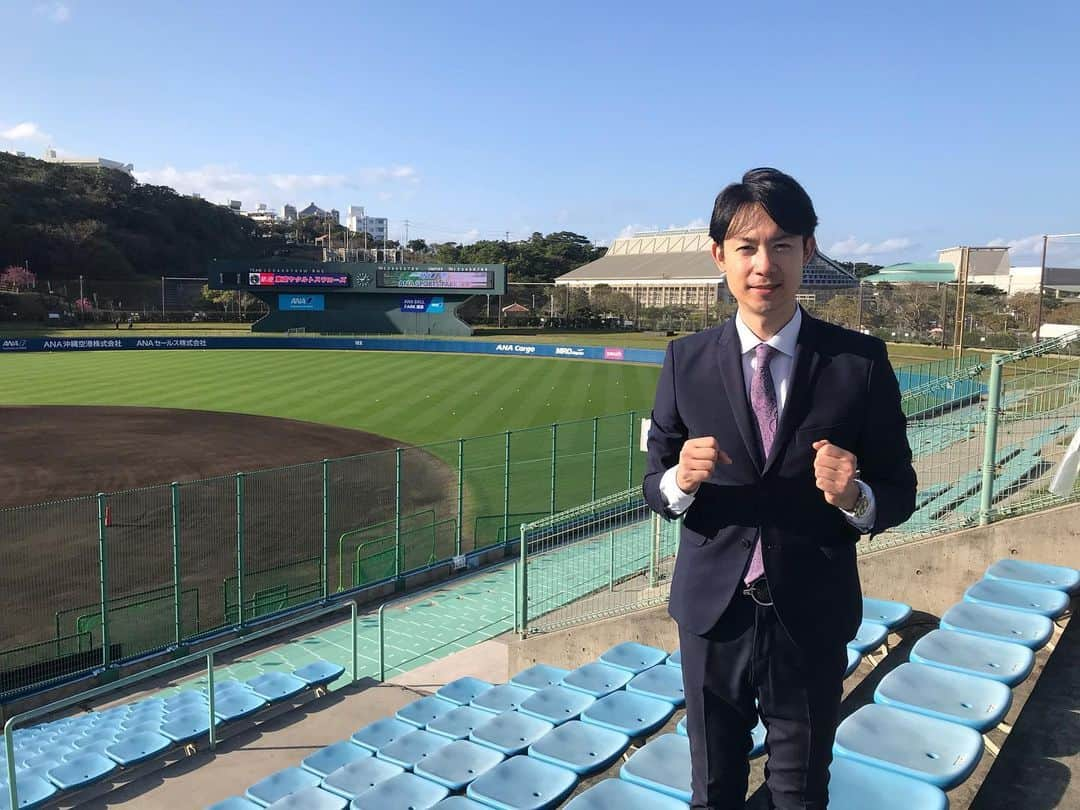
(834, 473)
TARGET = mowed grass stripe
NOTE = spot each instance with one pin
(417, 398)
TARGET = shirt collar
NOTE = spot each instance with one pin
(783, 341)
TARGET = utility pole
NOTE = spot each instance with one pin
(1042, 282)
(405, 246)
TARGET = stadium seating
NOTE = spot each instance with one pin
(527, 743)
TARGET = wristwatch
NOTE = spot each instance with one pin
(862, 503)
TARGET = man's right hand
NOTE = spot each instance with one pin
(697, 461)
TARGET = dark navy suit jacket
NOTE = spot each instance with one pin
(842, 389)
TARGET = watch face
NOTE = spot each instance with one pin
(362, 279)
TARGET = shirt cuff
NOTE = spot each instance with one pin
(864, 523)
(677, 501)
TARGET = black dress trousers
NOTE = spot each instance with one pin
(746, 657)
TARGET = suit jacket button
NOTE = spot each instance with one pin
(745, 543)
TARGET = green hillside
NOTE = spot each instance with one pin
(68, 221)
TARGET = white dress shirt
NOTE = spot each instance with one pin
(781, 367)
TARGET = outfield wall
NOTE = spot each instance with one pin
(512, 349)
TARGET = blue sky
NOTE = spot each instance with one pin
(913, 126)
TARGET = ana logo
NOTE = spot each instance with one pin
(144, 344)
(14, 344)
(300, 300)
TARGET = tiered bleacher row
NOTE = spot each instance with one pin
(527, 744)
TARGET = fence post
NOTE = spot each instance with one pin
(523, 582)
(554, 451)
(210, 698)
(506, 492)
(630, 454)
(240, 549)
(654, 553)
(397, 519)
(611, 561)
(517, 597)
(595, 420)
(460, 495)
(178, 613)
(103, 576)
(986, 500)
(325, 527)
(382, 645)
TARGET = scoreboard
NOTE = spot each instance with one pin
(344, 277)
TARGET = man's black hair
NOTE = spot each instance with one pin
(779, 194)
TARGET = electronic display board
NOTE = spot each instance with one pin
(436, 279)
(296, 278)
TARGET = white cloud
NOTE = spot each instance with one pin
(470, 236)
(1026, 246)
(1027, 250)
(26, 131)
(55, 12)
(219, 183)
(852, 248)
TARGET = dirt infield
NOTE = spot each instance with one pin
(53, 452)
(49, 555)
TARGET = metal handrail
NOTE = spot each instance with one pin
(208, 655)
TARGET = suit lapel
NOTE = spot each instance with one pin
(729, 356)
(805, 364)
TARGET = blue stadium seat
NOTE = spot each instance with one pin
(235, 803)
(556, 704)
(337, 755)
(319, 673)
(184, 700)
(857, 786)
(275, 687)
(463, 690)
(853, 659)
(154, 726)
(459, 803)
(618, 794)
(511, 733)
(661, 682)
(81, 770)
(502, 698)
(935, 751)
(1058, 577)
(522, 783)
(580, 747)
(1017, 596)
(869, 637)
(632, 715)
(281, 784)
(978, 703)
(890, 614)
(382, 732)
(540, 676)
(413, 747)
(406, 791)
(988, 621)
(425, 710)
(128, 751)
(312, 798)
(459, 723)
(237, 704)
(597, 679)
(633, 656)
(455, 765)
(673, 660)
(186, 726)
(33, 791)
(987, 658)
(662, 765)
(359, 777)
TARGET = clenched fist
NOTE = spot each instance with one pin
(834, 473)
(697, 461)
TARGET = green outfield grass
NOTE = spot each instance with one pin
(417, 398)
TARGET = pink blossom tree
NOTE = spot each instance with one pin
(16, 277)
(83, 305)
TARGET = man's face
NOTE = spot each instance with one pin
(763, 264)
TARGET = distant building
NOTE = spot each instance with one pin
(50, 156)
(985, 266)
(676, 268)
(234, 206)
(262, 215)
(358, 222)
(288, 213)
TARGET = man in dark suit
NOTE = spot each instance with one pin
(779, 439)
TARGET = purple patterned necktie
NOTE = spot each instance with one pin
(763, 401)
